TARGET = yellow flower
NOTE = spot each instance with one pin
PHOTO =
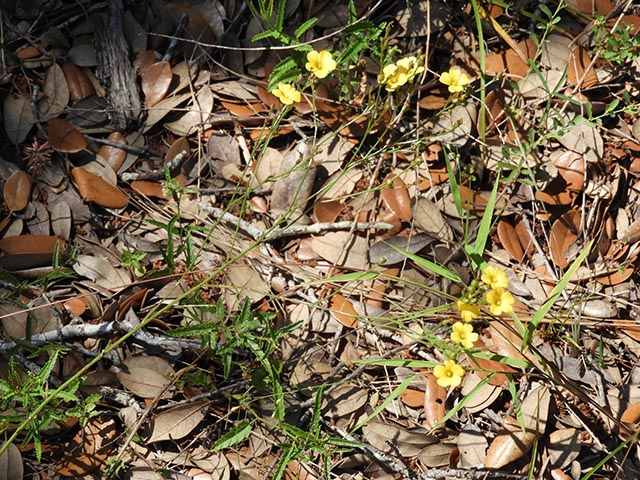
(400, 73)
(463, 334)
(495, 277)
(456, 79)
(287, 93)
(450, 374)
(320, 63)
(468, 312)
(500, 301)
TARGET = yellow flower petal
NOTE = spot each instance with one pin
(287, 93)
(320, 63)
(463, 334)
(468, 312)
(455, 78)
(500, 301)
(495, 277)
(449, 374)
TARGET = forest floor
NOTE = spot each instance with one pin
(313, 239)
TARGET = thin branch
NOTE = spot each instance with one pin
(158, 173)
(123, 146)
(102, 330)
(290, 231)
(295, 230)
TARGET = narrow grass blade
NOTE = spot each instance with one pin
(555, 293)
(395, 394)
(429, 265)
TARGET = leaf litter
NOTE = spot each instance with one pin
(257, 291)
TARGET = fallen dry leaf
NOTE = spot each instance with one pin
(94, 189)
(508, 447)
(156, 80)
(113, 155)
(17, 191)
(18, 117)
(342, 309)
(147, 376)
(79, 85)
(89, 448)
(396, 198)
(177, 422)
(433, 402)
(64, 137)
(21, 244)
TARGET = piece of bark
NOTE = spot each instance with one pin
(115, 70)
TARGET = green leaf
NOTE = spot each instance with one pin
(304, 27)
(234, 436)
(286, 71)
(487, 220)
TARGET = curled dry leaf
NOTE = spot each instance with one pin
(113, 155)
(94, 189)
(581, 71)
(510, 241)
(89, 449)
(177, 422)
(156, 80)
(79, 85)
(64, 137)
(564, 235)
(17, 191)
(519, 439)
(396, 197)
(342, 309)
(101, 271)
(434, 398)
